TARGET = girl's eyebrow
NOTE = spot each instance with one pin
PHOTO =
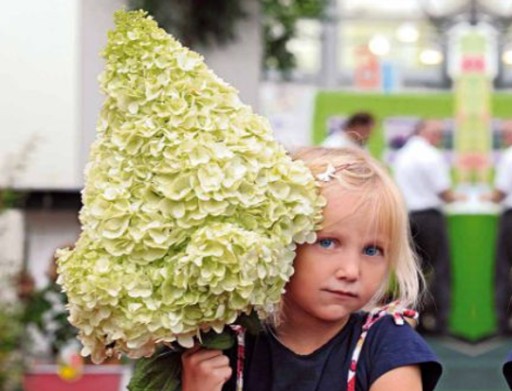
(380, 240)
(326, 232)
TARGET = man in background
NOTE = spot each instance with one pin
(354, 134)
(502, 193)
(423, 176)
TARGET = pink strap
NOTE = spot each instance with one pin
(375, 315)
(240, 360)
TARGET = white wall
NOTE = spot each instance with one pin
(49, 56)
(39, 55)
(96, 18)
(239, 63)
(12, 241)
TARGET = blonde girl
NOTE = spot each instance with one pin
(333, 331)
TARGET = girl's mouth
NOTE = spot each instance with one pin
(342, 294)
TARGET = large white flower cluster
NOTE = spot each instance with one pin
(191, 208)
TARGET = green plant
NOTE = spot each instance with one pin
(14, 166)
(9, 198)
(11, 311)
(193, 22)
(280, 26)
(11, 329)
(207, 22)
(45, 309)
(11, 325)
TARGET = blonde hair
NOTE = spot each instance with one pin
(356, 171)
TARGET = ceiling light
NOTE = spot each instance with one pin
(379, 45)
(407, 33)
(431, 57)
(506, 57)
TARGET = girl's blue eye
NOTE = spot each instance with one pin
(325, 243)
(372, 251)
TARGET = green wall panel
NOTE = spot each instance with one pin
(328, 104)
(472, 240)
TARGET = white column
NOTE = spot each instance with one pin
(12, 240)
(329, 68)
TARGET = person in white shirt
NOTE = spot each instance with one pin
(354, 134)
(423, 176)
(502, 193)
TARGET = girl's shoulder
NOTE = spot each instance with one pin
(389, 329)
(390, 345)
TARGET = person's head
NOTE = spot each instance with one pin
(362, 252)
(431, 130)
(359, 127)
(25, 285)
(506, 129)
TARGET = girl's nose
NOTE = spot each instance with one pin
(348, 268)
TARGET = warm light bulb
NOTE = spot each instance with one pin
(407, 33)
(506, 57)
(379, 45)
(431, 57)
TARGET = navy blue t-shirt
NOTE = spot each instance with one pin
(507, 370)
(270, 366)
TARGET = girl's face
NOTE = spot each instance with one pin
(342, 271)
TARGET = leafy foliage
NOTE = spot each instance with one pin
(11, 329)
(10, 198)
(46, 311)
(280, 26)
(193, 22)
(208, 22)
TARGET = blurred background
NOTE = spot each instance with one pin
(307, 65)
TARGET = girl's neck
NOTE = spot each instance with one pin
(303, 338)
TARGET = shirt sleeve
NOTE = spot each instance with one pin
(332, 141)
(503, 179)
(390, 346)
(439, 174)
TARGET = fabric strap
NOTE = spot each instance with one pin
(240, 360)
(394, 309)
(397, 312)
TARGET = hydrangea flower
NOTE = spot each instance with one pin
(191, 209)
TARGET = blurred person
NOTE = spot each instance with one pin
(423, 176)
(25, 286)
(502, 193)
(354, 133)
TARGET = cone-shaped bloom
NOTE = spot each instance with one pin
(191, 210)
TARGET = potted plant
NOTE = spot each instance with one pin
(10, 352)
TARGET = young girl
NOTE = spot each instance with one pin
(321, 339)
